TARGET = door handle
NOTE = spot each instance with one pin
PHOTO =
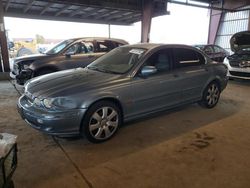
(90, 56)
(176, 75)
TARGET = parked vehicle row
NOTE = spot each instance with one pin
(71, 53)
(129, 82)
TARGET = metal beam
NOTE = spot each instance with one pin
(119, 14)
(95, 13)
(105, 14)
(198, 5)
(147, 13)
(28, 6)
(214, 23)
(135, 16)
(46, 8)
(78, 11)
(63, 9)
(122, 5)
(7, 5)
(3, 42)
(75, 12)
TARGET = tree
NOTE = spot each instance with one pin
(40, 39)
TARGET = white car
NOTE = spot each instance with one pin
(239, 63)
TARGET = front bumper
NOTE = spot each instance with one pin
(237, 72)
(22, 77)
(66, 123)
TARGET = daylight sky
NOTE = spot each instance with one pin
(185, 25)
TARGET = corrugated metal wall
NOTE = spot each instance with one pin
(231, 23)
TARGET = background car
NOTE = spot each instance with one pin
(127, 83)
(71, 53)
(239, 63)
(214, 52)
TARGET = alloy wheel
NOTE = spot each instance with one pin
(103, 123)
(213, 94)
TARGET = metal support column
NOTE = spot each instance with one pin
(147, 12)
(215, 17)
(3, 41)
(109, 31)
(249, 22)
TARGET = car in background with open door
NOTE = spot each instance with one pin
(68, 54)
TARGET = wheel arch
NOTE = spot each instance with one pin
(109, 99)
(112, 99)
(216, 79)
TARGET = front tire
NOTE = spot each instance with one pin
(211, 95)
(101, 121)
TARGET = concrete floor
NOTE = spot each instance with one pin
(189, 147)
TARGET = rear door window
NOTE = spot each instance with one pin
(187, 58)
(104, 46)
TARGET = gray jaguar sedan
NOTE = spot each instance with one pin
(129, 82)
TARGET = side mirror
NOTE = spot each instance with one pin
(148, 70)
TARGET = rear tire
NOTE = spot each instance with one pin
(101, 121)
(211, 95)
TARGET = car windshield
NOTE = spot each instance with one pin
(118, 61)
(199, 47)
(59, 47)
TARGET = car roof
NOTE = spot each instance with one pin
(150, 46)
(100, 38)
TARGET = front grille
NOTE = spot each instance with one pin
(234, 63)
(241, 74)
(16, 68)
(29, 97)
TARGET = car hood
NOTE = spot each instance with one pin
(240, 41)
(30, 57)
(69, 82)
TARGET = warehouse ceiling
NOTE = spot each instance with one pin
(119, 12)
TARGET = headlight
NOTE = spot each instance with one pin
(60, 103)
(37, 102)
(47, 103)
(226, 62)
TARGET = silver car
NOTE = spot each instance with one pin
(127, 83)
